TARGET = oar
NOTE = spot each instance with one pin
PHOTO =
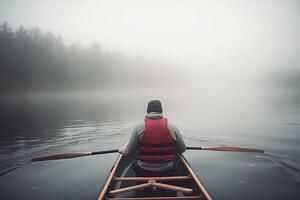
(81, 154)
(72, 155)
(226, 148)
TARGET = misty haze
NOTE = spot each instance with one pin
(78, 75)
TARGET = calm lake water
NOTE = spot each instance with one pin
(42, 124)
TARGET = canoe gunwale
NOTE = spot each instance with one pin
(191, 175)
(195, 177)
(109, 180)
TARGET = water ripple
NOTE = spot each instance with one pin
(18, 152)
(282, 161)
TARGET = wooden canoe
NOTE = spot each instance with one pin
(122, 184)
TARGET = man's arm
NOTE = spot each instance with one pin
(132, 144)
(179, 144)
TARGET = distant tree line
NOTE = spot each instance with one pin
(31, 60)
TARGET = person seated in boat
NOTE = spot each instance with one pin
(154, 143)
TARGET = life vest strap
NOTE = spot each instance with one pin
(156, 153)
(156, 145)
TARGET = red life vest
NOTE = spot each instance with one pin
(156, 144)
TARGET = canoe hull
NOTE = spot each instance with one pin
(123, 183)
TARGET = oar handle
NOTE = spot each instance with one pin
(194, 148)
(105, 152)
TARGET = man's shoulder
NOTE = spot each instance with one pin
(139, 127)
(173, 127)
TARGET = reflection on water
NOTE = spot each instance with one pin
(45, 124)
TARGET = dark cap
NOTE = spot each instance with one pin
(154, 106)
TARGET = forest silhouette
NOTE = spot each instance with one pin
(32, 60)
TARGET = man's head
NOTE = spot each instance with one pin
(154, 106)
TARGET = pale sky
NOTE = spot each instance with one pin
(212, 35)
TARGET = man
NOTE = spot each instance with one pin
(154, 143)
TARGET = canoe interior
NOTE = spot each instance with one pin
(125, 169)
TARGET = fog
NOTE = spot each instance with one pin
(205, 59)
(215, 42)
(77, 76)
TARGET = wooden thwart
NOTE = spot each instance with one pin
(161, 198)
(165, 178)
(173, 187)
(131, 188)
(151, 183)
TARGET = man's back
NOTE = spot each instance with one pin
(132, 147)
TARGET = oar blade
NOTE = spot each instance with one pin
(61, 156)
(233, 149)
